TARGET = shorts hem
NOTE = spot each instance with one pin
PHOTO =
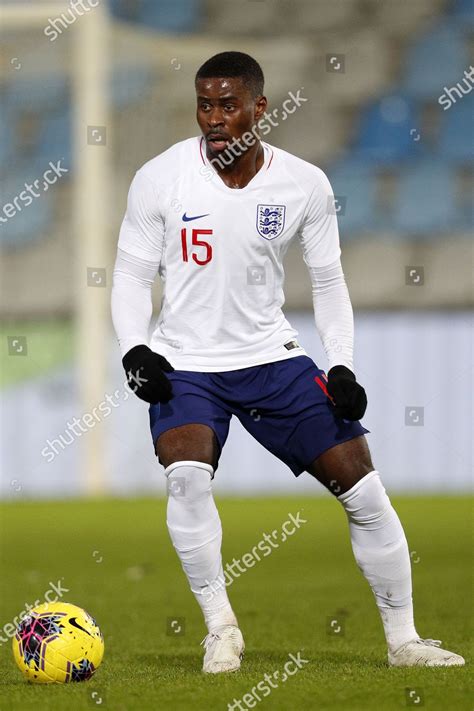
(190, 422)
(299, 471)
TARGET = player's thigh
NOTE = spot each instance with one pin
(194, 442)
(342, 466)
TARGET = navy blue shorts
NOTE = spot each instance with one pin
(284, 406)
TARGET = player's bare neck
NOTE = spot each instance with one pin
(239, 174)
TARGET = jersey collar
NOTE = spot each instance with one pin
(256, 180)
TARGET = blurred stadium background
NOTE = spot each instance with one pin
(103, 87)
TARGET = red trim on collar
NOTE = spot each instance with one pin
(270, 161)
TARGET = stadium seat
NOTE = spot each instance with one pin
(54, 135)
(350, 163)
(55, 138)
(403, 18)
(438, 59)
(456, 142)
(7, 138)
(129, 10)
(425, 203)
(229, 19)
(318, 15)
(165, 15)
(463, 12)
(43, 93)
(129, 84)
(355, 192)
(31, 222)
(367, 59)
(388, 130)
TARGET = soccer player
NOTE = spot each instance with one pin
(214, 216)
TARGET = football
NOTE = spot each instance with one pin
(58, 643)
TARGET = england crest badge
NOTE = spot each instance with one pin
(270, 220)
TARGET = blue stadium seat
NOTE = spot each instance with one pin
(163, 15)
(129, 10)
(356, 198)
(172, 16)
(348, 164)
(463, 12)
(55, 139)
(426, 202)
(129, 85)
(438, 59)
(456, 143)
(50, 93)
(43, 93)
(31, 222)
(7, 138)
(388, 130)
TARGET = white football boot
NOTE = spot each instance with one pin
(423, 653)
(224, 650)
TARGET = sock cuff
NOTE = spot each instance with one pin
(190, 463)
(343, 498)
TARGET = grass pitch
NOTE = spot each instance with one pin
(116, 560)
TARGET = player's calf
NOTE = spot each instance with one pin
(196, 532)
(381, 551)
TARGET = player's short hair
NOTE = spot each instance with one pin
(234, 64)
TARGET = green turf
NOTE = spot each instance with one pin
(285, 605)
(41, 346)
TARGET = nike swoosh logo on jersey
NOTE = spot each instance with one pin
(198, 217)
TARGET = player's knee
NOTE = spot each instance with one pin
(193, 442)
(341, 467)
(189, 480)
(366, 502)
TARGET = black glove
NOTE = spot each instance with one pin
(145, 371)
(348, 396)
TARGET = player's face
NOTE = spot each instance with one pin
(226, 109)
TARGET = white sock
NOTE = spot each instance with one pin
(381, 551)
(195, 529)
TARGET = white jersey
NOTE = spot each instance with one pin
(220, 252)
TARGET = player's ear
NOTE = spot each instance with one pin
(260, 107)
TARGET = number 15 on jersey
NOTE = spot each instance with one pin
(201, 256)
